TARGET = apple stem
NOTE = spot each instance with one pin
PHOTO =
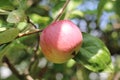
(61, 11)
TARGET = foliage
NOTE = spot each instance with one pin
(21, 22)
(94, 55)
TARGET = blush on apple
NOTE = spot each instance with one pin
(60, 41)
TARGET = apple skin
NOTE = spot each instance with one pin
(60, 41)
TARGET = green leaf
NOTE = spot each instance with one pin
(100, 8)
(42, 20)
(76, 13)
(17, 52)
(5, 49)
(16, 16)
(57, 8)
(94, 55)
(73, 4)
(3, 12)
(117, 7)
(23, 4)
(8, 35)
(6, 4)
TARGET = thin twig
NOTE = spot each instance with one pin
(29, 33)
(29, 21)
(34, 58)
(61, 11)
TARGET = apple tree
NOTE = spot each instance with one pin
(59, 39)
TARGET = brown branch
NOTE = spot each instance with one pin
(42, 72)
(12, 68)
(24, 76)
(29, 33)
(117, 76)
(61, 11)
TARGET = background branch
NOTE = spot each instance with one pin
(24, 76)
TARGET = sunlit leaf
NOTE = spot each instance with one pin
(76, 13)
(73, 4)
(94, 55)
(42, 20)
(16, 16)
(3, 12)
(8, 35)
(108, 6)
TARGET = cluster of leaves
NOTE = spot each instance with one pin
(23, 51)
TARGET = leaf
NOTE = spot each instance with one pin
(17, 52)
(117, 7)
(23, 4)
(73, 4)
(57, 8)
(100, 8)
(8, 35)
(16, 16)
(6, 5)
(5, 49)
(42, 20)
(76, 13)
(94, 55)
(3, 12)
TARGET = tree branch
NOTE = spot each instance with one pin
(12, 68)
(29, 33)
(24, 76)
(61, 11)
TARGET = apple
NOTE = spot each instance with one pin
(60, 41)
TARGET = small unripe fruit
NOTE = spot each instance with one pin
(60, 41)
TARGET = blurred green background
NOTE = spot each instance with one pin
(100, 18)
